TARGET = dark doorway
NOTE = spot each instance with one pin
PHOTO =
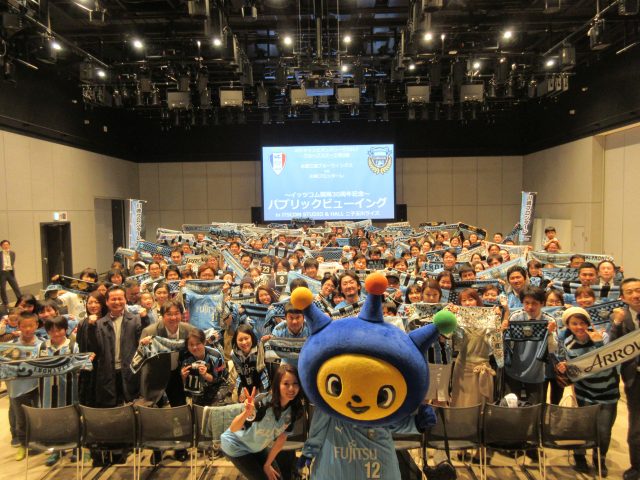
(118, 219)
(56, 250)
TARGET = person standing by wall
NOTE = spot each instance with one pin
(8, 272)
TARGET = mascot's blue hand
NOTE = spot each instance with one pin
(302, 464)
(425, 418)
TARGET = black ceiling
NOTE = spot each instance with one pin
(387, 52)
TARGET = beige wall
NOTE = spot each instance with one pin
(568, 179)
(203, 192)
(480, 191)
(38, 178)
(622, 198)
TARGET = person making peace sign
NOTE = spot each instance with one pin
(246, 442)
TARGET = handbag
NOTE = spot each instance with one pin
(444, 470)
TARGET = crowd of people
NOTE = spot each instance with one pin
(217, 301)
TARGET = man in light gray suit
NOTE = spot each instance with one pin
(8, 272)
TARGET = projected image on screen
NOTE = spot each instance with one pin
(330, 182)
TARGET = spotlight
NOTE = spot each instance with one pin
(344, 68)
(550, 63)
(137, 44)
(476, 65)
(628, 7)
(199, 43)
(288, 40)
(101, 73)
(597, 35)
(412, 66)
(567, 57)
(507, 35)
(217, 42)
(552, 6)
(346, 39)
(442, 36)
(55, 45)
(428, 37)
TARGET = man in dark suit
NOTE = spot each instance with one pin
(626, 320)
(116, 339)
(8, 272)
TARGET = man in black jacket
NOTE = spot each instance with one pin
(626, 320)
(117, 337)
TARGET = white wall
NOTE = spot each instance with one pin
(621, 225)
(39, 177)
(483, 191)
(568, 179)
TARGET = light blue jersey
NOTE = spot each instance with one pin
(257, 435)
(345, 451)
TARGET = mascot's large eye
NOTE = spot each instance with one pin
(334, 385)
(386, 396)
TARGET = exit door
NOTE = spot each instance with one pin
(56, 250)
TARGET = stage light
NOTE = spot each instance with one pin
(412, 66)
(55, 45)
(442, 36)
(344, 68)
(346, 39)
(428, 37)
(101, 73)
(217, 42)
(137, 44)
(507, 35)
(476, 65)
(287, 40)
(550, 63)
(198, 43)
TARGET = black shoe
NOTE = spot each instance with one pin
(631, 474)
(581, 465)
(181, 455)
(156, 457)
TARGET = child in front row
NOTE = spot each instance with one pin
(23, 391)
(58, 390)
(601, 388)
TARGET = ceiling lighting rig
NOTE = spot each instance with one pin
(204, 62)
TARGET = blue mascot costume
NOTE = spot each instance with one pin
(367, 380)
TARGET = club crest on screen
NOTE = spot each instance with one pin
(380, 159)
(277, 162)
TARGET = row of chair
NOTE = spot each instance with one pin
(481, 427)
(532, 428)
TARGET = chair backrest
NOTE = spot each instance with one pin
(462, 423)
(511, 427)
(563, 425)
(108, 426)
(201, 431)
(215, 420)
(165, 424)
(52, 426)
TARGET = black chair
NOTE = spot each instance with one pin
(110, 429)
(566, 428)
(511, 430)
(61, 434)
(165, 429)
(463, 431)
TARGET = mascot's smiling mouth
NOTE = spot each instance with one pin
(357, 410)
